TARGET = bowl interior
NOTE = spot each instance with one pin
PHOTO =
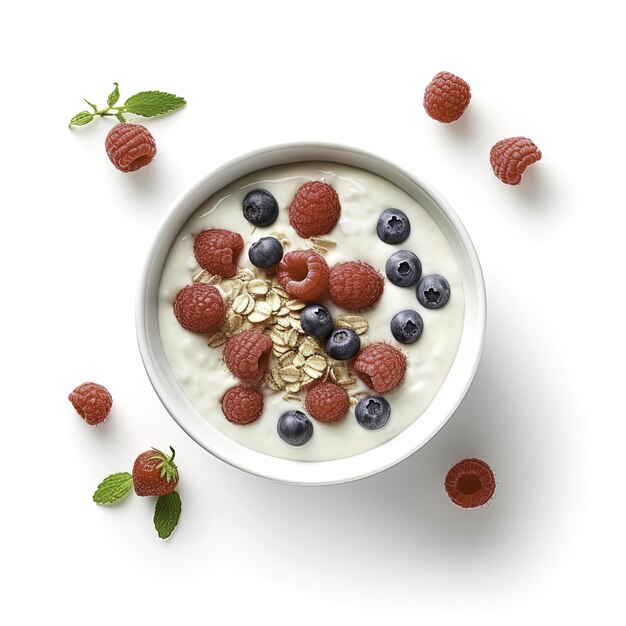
(313, 472)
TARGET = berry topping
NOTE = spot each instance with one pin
(266, 252)
(92, 402)
(393, 226)
(246, 354)
(260, 207)
(130, 147)
(217, 251)
(380, 366)
(355, 285)
(403, 268)
(327, 402)
(304, 275)
(470, 483)
(295, 428)
(510, 158)
(242, 405)
(154, 474)
(314, 209)
(343, 344)
(446, 97)
(407, 326)
(316, 321)
(372, 412)
(199, 308)
(433, 291)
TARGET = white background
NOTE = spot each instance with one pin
(545, 409)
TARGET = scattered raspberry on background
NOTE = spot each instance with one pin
(470, 483)
(327, 402)
(246, 354)
(446, 97)
(304, 274)
(314, 209)
(199, 308)
(242, 405)
(510, 158)
(380, 366)
(130, 147)
(217, 251)
(92, 401)
(355, 285)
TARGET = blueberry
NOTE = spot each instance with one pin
(403, 268)
(372, 412)
(316, 321)
(342, 344)
(393, 226)
(260, 207)
(433, 291)
(295, 428)
(266, 252)
(407, 326)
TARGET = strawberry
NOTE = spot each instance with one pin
(154, 474)
(217, 251)
(510, 158)
(327, 402)
(242, 405)
(380, 366)
(92, 402)
(446, 97)
(130, 147)
(199, 308)
(246, 354)
(355, 285)
(314, 209)
(304, 275)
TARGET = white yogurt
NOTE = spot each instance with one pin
(199, 369)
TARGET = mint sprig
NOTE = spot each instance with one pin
(167, 513)
(113, 488)
(144, 103)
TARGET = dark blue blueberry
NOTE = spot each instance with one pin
(295, 428)
(342, 344)
(403, 268)
(433, 291)
(260, 207)
(316, 321)
(266, 252)
(407, 326)
(393, 226)
(372, 412)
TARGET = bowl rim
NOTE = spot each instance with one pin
(279, 469)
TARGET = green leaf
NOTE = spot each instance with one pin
(80, 119)
(114, 96)
(120, 117)
(167, 513)
(113, 488)
(149, 103)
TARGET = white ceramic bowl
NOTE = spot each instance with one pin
(313, 472)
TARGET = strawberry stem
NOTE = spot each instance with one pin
(173, 455)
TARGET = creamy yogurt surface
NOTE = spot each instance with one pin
(199, 369)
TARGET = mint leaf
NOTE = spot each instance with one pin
(114, 96)
(120, 117)
(167, 513)
(80, 119)
(149, 103)
(113, 488)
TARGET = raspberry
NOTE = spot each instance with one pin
(246, 354)
(510, 158)
(199, 308)
(304, 275)
(92, 402)
(380, 366)
(355, 285)
(314, 209)
(470, 483)
(446, 97)
(327, 402)
(242, 405)
(217, 251)
(130, 146)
